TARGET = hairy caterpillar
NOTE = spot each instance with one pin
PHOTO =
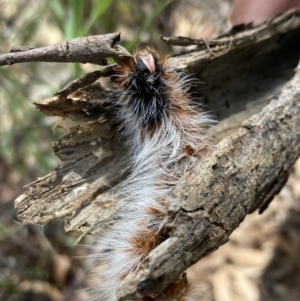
(164, 135)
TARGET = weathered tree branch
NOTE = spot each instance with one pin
(237, 74)
(243, 171)
(92, 49)
(61, 193)
(240, 72)
(240, 37)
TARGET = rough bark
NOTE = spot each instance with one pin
(244, 171)
(237, 76)
(92, 49)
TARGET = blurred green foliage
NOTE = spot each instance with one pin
(77, 18)
(3, 231)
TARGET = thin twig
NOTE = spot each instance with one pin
(92, 49)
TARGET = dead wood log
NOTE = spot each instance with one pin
(239, 74)
(244, 171)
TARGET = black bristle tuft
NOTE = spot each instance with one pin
(147, 91)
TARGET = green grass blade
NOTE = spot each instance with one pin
(96, 13)
(58, 12)
(160, 7)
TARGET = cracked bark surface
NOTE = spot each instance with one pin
(213, 198)
(238, 74)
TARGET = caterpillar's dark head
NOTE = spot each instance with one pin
(146, 89)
